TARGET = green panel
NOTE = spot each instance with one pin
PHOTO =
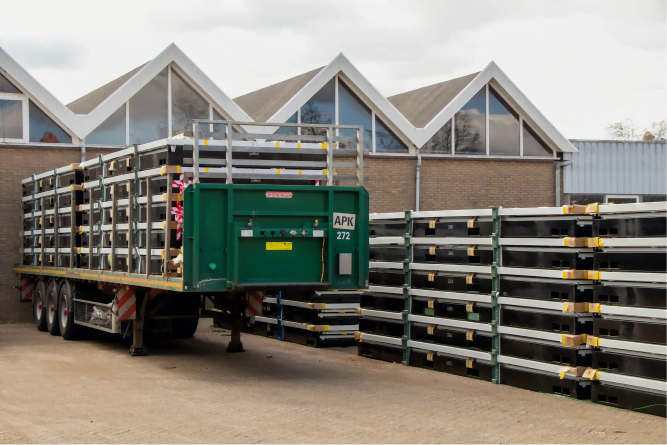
(221, 255)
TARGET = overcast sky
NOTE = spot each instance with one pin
(584, 64)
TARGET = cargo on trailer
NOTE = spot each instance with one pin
(167, 232)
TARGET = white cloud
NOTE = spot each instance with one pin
(584, 64)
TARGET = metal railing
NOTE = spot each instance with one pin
(231, 141)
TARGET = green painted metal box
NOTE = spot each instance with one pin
(238, 237)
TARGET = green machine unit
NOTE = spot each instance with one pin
(255, 237)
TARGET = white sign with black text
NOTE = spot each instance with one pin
(345, 221)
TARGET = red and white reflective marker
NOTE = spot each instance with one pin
(278, 194)
(127, 303)
(27, 289)
(254, 307)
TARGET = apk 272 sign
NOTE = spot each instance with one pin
(345, 221)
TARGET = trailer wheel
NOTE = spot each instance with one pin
(39, 305)
(68, 328)
(184, 327)
(52, 308)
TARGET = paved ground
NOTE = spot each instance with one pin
(192, 391)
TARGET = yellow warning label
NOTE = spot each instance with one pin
(278, 246)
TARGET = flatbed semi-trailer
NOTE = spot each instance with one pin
(144, 236)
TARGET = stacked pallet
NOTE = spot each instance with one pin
(49, 218)
(629, 302)
(451, 311)
(385, 306)
(318, 319)
(544, 296)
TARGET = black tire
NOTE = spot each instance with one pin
(66, 311)
(184, 327)
(39, 305)
(52, 308)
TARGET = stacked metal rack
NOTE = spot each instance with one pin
(544, 294)
(318, 319)
(496, 294)
(629, 306)
(453, 314)
(121, 212)
(49, 219)
(386, 305)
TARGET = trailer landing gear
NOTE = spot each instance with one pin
(137, 348)
(236, 313)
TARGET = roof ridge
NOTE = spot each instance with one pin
(263, 103)
(421, 105)
(88, 102)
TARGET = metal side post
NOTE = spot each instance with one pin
(360, 156)
(406, 291)
(74, 230)
(495, 291)
(330, 156)
(167, 232)
(114, 208)
(91, 217)
(228, 160)
(130, 224)
(56, 226)
(149, 226)
(195, 151)
(42, 239)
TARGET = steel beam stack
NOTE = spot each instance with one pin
(452, 312)
(318, 319)
(127, 212)
(629, 306)
(385, 307)
(49, 219)
(544, 295)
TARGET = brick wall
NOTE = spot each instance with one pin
(447, 183)
(17, 164)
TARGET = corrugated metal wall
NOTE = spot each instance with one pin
(616, 167)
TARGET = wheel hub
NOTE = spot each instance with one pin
(39, 306)
(51, 308)
(65, 311)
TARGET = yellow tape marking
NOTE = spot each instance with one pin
(272, 245)
(205, 141)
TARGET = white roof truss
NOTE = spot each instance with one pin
(361, 86)
(419, 136)
(510, 93)
(80, 125)
(35, 91)
(186, 68)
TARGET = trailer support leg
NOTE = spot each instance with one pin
(137, 348)
(236, 313)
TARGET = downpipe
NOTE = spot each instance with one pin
(419, 163)
(558, 167)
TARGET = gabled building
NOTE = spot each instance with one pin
(468, 142)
